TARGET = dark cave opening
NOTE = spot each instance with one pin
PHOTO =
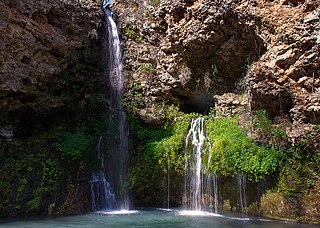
(218, 65)
(200, 102)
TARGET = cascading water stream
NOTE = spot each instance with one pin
(117, 162)
(242, 189)
(201, 188)
(102, 197)
(116, 79)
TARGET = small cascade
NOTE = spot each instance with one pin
(201, 187)
(212, 187)
(168, 182)
(242, 189)
(102, 197)
(215, 193)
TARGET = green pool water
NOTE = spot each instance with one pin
(151, 218)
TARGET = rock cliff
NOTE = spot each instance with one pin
(188, 52)
(236, 56)
(52, 56)
(46, 53)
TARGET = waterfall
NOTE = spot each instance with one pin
(201, 187)
(215, 192)
(116, 78)
(168, 182)
(113, 193)
(242, 189)
(101, 195)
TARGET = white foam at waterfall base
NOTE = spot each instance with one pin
(119, 212)
(197, 213)
(164, 209)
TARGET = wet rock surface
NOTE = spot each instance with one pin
(39, 43)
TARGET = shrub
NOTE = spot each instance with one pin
(72, 145)
(234, 152)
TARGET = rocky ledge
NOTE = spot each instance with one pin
(190, 52)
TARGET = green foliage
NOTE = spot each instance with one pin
(160, 151)
(234, 152)
(261, 120)
(300, 165)
(34, 203)
(172, 114)
(265, 132)
(147, 68)
(156, 2)
(50, 174)
(27, 166)
(133, 97)
(23, 183)
(133, 34)
(72, 145)
(33, 170)
(130, 32)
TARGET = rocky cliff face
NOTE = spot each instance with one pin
(51, 66)
(190, 52)
(286, 78)
(46, 48)
(237, 56)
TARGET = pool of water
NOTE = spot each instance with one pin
(151, 218)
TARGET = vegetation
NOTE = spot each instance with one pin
(234, 152)
(267, 154)
(36, 171)
(133, 97)
(71, 145)
(300, 165)
(147, 68)
(161, 149)
(156, 2)
(133, 34)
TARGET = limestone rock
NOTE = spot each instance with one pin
(39, 43)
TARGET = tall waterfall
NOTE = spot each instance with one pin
(116, 79)
(114, 192)
(201, 188)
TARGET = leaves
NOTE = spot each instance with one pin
(72, 145)
(234, 152)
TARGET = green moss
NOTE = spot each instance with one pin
(72, 145)
(34, 203)
(34, 171)
(147, 68)
(23, 183)
(156, 2)
(133, 97)
(160, 149)
(130, 32)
